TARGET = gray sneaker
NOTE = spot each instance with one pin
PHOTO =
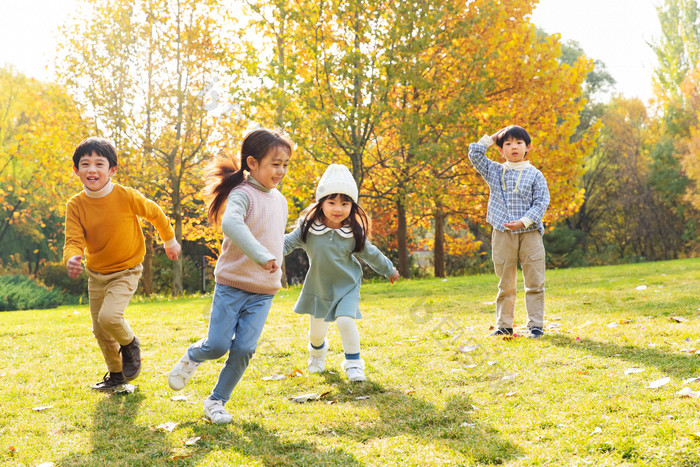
(216, 413)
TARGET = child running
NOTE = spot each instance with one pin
(247, 272)
(333, 233)
(102, 223)
(518, 199)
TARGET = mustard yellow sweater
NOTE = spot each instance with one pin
(106, 229)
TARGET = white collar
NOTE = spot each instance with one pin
(516, 165)
(102, 192)
(318, 228)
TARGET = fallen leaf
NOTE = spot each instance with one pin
(597, 430)
(470, 425)
(167, 426)
(659, 382)
(124, 388)
(613, 325)
(633, 370)
(678, 319)
(641, 287)
(468, 348)
(492, 363)
(361, 398)
(509, 377)
(690, 380)
(489, 303)
(277, 376)
(192, 441)
(625, 321)
(179, 398)
(686, 391)
(510, 394)
(581, 372)
(12, 451)
(331, 402)
(42, 408)
(307, 397)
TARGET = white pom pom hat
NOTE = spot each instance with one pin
(337, 179)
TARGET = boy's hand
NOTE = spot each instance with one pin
(496, 136)
(74, 266)
(515, 225)
(174, 251)
(271, 266)
(395, 277)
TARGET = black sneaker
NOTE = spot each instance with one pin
(536, 332)
(131, 359)
(502, 332)
(109, 382)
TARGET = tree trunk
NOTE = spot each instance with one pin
(147, 277)
(402, 239)
(439, 243)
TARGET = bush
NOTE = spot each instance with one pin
(55, 275)
(21, 293)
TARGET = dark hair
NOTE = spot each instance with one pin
(357, 220)
(513, 132)
(100, 146)
(224, 174)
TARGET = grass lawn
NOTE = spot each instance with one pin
(562, 400)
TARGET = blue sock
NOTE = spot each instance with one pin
(352, 356)
(317, 348)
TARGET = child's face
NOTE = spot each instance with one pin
(94, 171)
(514, 150)
(335, 211)
(271, 169)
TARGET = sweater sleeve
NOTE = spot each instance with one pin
(149, 210)
(75, 235)
(292, 241)
(234, 227)
(371, 255)
(477, 155)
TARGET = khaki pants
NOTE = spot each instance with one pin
(507, 249)
(109, 296)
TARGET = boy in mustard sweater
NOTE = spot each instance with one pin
(102, 223)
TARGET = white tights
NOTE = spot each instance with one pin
(349, 335)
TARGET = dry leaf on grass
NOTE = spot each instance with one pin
(124, 389)
(633, 370)
(42, 408)
(308, 397)
(659, 382)
(640, 287)
(468, 348)
(509, 377)
(510, 394)
(277, 376)
(687, 392)
(678, 319)
(361, 398)
(690, 380)
(192, 441)
(167, 426)
(178, 398)
(597, 430)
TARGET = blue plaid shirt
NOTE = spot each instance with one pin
(528, 200)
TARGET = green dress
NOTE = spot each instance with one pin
(332, 284)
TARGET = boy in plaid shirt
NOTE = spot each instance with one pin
(518, 199)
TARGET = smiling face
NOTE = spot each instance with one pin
(336, 208)
(514, 149)
(271, 169)
(94, 171)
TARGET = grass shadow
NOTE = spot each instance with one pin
(677, 365)
(404, 414)
(116, 440)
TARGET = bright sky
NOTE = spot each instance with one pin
(614, 31)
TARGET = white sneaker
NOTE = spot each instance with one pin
(182, 372)
(355, 369)
(216, 413)
(317, 358)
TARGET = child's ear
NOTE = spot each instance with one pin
(112, 171)
(252, 162)
(75, 171)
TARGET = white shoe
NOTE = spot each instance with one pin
(355, 369)
(182, 372)
(317, 358)
(216, 413)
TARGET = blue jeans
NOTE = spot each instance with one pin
(235, 324)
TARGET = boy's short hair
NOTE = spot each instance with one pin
(100, 146)
(514, 132)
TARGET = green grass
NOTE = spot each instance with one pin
(428, 403)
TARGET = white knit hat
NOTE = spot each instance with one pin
(337, 179)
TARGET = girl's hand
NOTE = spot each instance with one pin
(173, 252)
(395, 277)
(75, 266)
(271, 266)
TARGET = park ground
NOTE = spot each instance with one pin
(439, 391)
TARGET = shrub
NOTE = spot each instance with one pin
(21, 293)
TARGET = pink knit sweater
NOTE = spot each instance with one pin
(267, 219)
